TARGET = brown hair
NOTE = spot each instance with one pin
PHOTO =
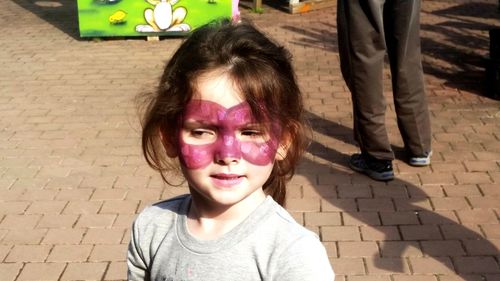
(260, 68)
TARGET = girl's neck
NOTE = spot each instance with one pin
(209, 220)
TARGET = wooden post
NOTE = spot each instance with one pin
(257, 5)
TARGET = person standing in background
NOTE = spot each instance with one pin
(367, 30)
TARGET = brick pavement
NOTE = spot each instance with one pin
(72, 177)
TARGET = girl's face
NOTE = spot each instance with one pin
(225, 155)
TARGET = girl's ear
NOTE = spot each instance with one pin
(168, 145)
(283, 147)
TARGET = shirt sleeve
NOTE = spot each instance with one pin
(136, 262)
(305, 260)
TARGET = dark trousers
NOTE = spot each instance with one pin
(367, 31)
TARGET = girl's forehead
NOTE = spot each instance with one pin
(218, 87)
(204, 110)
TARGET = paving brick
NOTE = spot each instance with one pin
(103, 236)
(417, 192)
(350, 191)
(116, 271)
(110, 194)
(109, 253)
(480, 265)
(96, 221)
(482, 247)
(369, 278)
(84, 271)
(414, 278)
(443, 248)
(377, 233)
(464, 277)
(477, 216)
(376, 204)
(19, 221)
(492, 231)
(357, 249)
(57, 221)
(338, 205)
(437, 178)
(420, 232)
(331, 249)
(490, 189)
(9, 271)
(83, 207)
(393, 249)
(450, 203)
(429, 265)
(41, 271)
(399, 218)
(70, 253)
(473, 178)
(412, 204)
(379, 266)
(340, 233)
(22, 236)
(13, 207)
(74, 194)
(438, 217)
(462, 190)
(320, 219)
(303, 205)
(63, 236)
(349, 266)
(46, 207)
(119, 207)
(458, 231)
(28, 253)
(484, 202)
(360, 218)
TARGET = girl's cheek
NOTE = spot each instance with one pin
(200, 156)
(258, 153)
(195, 156)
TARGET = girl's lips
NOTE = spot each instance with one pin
(227, 180)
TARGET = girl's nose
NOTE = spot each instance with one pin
(228, 150)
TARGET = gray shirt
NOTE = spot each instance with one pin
(267, 245)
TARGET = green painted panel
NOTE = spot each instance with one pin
(102, 18)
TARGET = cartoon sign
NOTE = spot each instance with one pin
(103, 18)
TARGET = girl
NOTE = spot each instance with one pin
(228, 108)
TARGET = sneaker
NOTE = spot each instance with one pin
(420, 161)
(380, 170)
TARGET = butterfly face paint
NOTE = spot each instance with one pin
(211, 132)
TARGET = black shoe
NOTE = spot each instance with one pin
(376, 169)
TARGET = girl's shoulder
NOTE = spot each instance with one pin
(285, 224)
(163, 212)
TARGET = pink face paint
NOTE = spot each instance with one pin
(225, 144)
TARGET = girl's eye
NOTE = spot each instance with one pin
(201, 133)
(251, 133)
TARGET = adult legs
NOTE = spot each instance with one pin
(402, 27)
(362, 50)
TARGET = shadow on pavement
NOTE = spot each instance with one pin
(404, 223)
(458, 56)
(63, 14)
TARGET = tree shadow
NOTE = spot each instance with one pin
(459, 56)
(398, 210)
(324, 38)
(452, 49)
(62, 14)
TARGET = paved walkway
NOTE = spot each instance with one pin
(72, 177)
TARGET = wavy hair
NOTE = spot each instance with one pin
(261, 69)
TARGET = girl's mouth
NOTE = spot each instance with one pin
(227, 180)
